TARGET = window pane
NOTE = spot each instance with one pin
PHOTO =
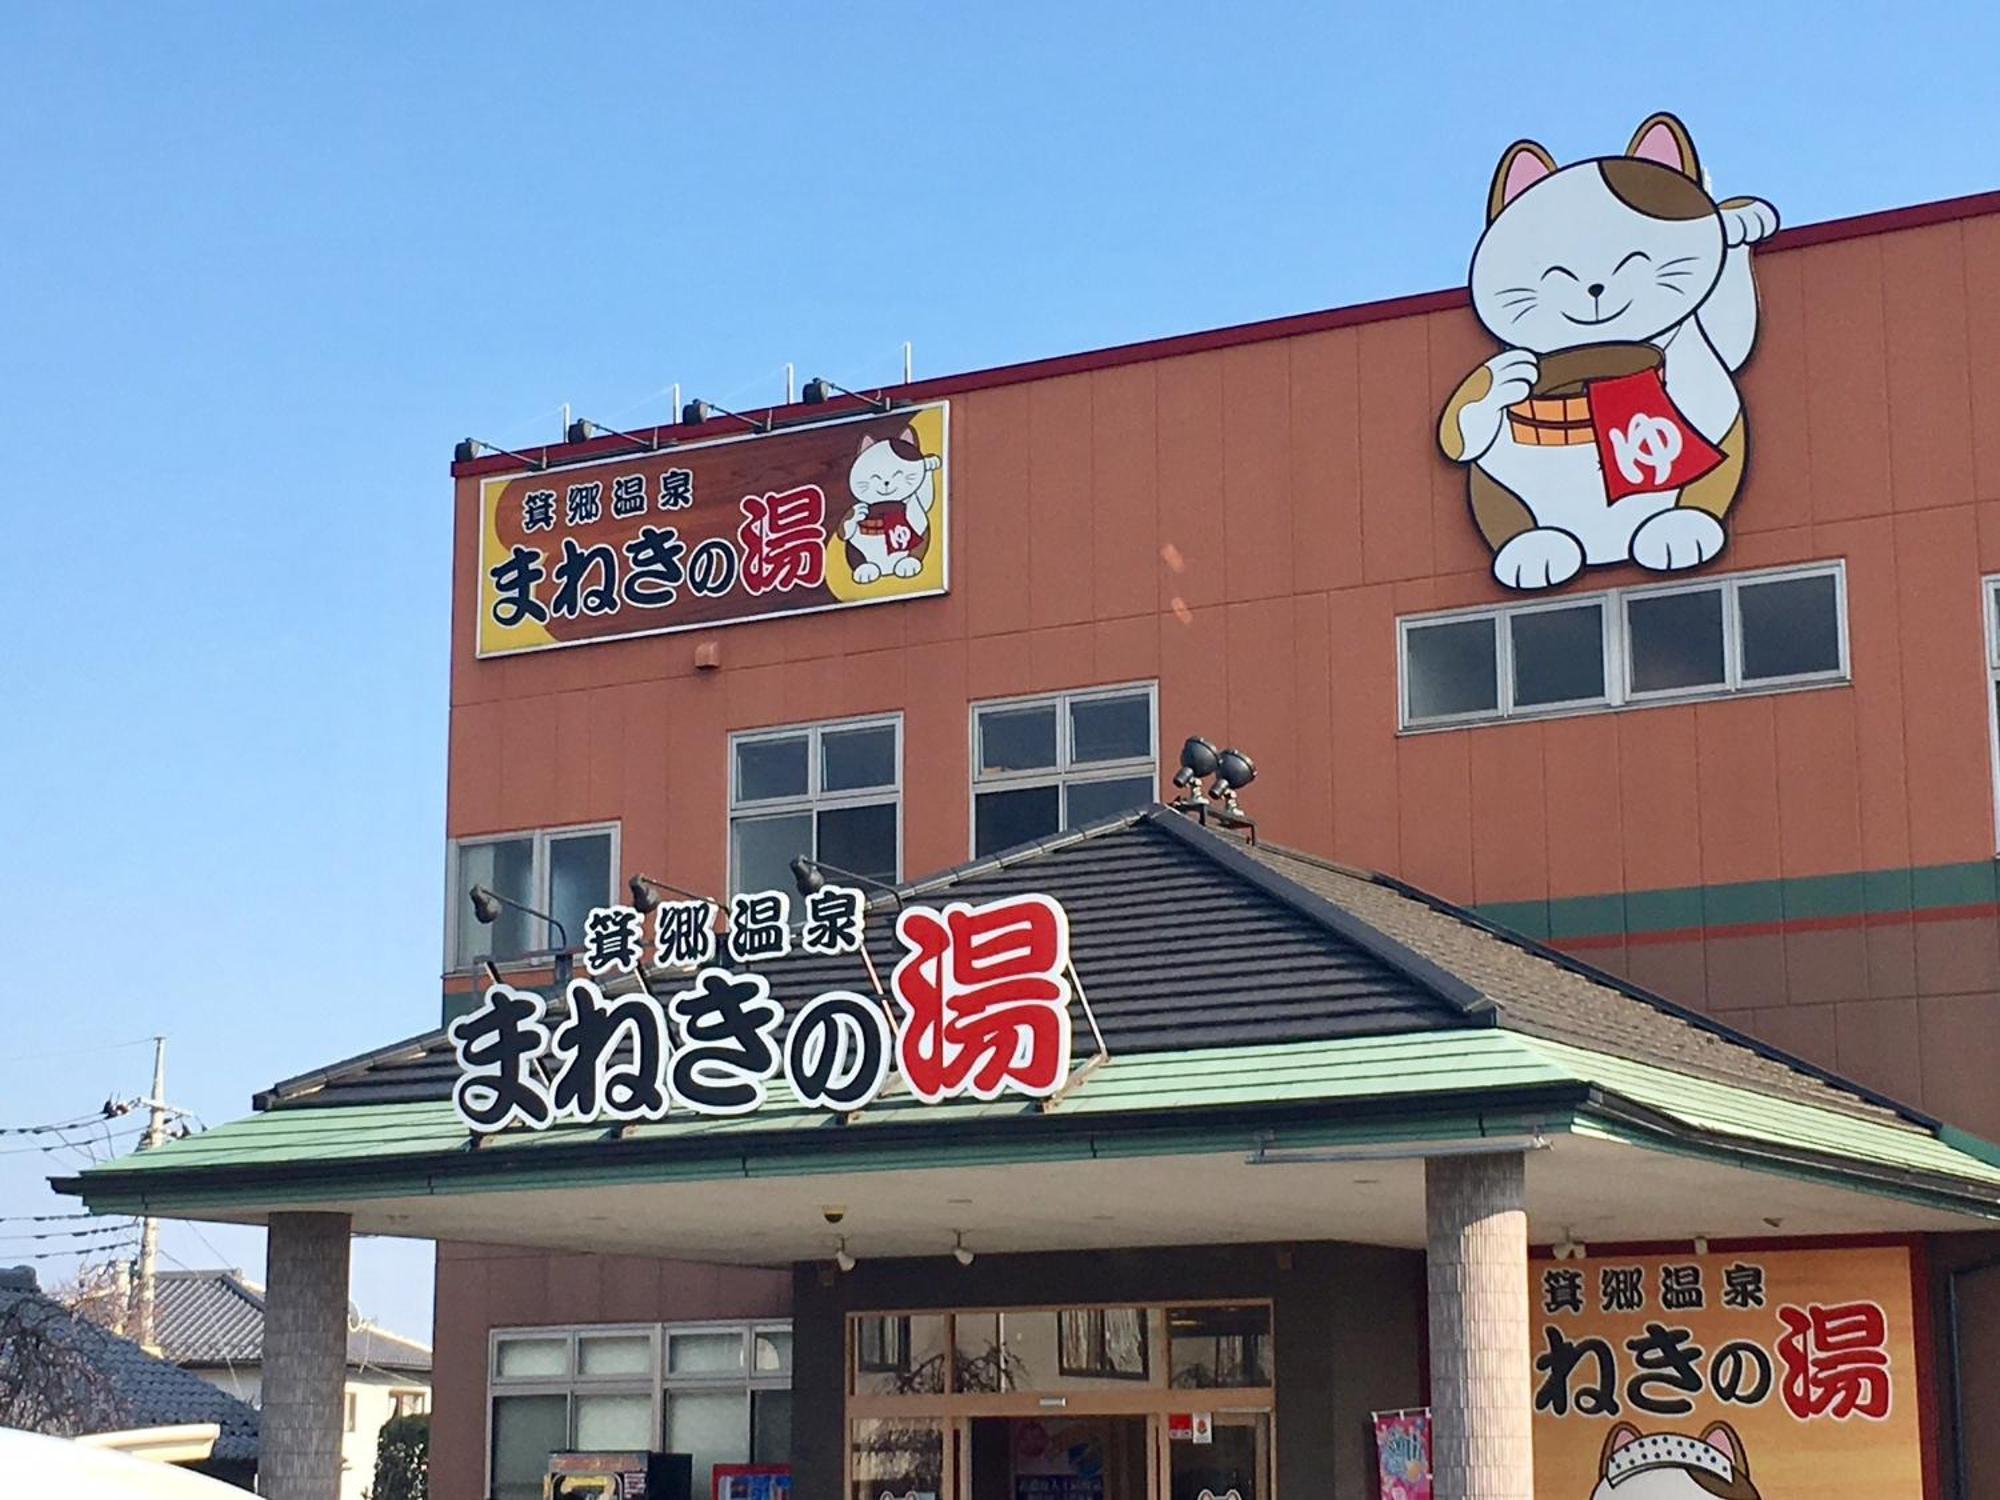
(705, 1353)
(1002, 819)
(614, 1422)
(861, 839)
(1791, 626)
(1450, 669)
(1111, 728)
(1017, 739)
(533, 1358)
(772, 1351)
(713, 1426)
(765, 848)
(1676, 640)
(1041, 1350)
(1219, 1346)
(526, 1430)
(897, 1456)
(855, 758)
(579, 878)
(1558, 655)
(615, 1354)
(508, 867)
(899, 1355)
(770, 1427)
(1091, 800)
(770, 768)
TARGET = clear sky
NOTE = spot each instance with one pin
(260, 265)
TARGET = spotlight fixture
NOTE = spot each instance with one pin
(809, 875)
(1233, 771)
(488, 904)
(698, 411)
(648, 893)
(842, 1258)
(819, 388)
(582, 430)
(1569, 1247)
(470, 448)
(1198, 761)
(959, 1252)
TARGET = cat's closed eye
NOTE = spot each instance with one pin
(1563, 270)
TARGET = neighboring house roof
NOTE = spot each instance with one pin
(217, 1318)
(153, 1391)
(1229, 978)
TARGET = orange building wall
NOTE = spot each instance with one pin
(1245, 523)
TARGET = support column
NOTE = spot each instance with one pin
(305, 1356)
(1481, 1388)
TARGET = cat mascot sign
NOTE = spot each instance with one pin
(1608, 429)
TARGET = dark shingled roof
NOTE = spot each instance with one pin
(152, 1391)
(1185, 938)
(217, 1318)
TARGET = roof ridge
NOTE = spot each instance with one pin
(1699, 1020)
(1231, 856)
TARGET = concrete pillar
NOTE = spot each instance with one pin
(305, 1356)
(1481, 1393)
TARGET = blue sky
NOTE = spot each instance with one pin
(261, 265)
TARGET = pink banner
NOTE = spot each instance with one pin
(1403, 1453)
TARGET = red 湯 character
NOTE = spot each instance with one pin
(984, 999)
(784, 540)
(1836, 1360)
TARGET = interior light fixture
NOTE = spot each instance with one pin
(959, 1250)
(842, 1259)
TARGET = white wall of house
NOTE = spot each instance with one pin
(371, 1399)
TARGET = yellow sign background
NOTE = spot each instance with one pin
(1823, 1458)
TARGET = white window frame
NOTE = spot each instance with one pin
(1066, 772)
(455, 895)
(814, 801)
(655, 1382)
(1618, 694)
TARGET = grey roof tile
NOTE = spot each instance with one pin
(217, 1318)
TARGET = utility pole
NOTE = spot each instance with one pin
(149, 1231)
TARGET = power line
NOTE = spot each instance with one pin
(97, 1232)
(82, 1213)
(108, 1138)
(56, 1127)
(124, 1247)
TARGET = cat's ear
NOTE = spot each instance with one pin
(1615, 1439)
(866, 443)
(1665, 140)
(909, 435)
(1722, 1437)
(1522, 165)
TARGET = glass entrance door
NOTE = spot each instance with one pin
(1229, 1460)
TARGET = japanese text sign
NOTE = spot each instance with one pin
(806, 518)
(978, 1006)
(1772, 1373)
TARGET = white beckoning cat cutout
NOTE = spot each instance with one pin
(1609, 427)
(893, 494)
(1673, 1466)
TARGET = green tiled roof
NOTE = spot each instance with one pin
(1344, 1090)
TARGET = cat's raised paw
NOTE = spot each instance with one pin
(1538, 559)
(908, 567)
(1676, 539)
(1747, 220)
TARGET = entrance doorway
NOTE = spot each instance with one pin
(1141, 1402)
(1057, 1458)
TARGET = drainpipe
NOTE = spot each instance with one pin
(1957, 1383)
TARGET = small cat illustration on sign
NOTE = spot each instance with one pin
(893, 494)
(1609, 428)
(1671, 1466)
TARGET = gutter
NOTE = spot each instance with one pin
(600, 1153)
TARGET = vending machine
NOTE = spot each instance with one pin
(619, 1476)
